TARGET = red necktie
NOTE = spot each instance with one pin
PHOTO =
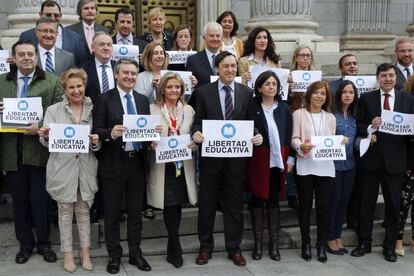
(386, 102)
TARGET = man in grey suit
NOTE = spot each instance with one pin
(404, 53)
(87, 26)
(348, 66)
(222, 100)
(51, 59)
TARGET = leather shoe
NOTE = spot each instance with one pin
(140, 262)
(203, 258)
(306, 252)
(321, 253)
(23, 255)
(237, 259)
(389, 255)
(361, 250)
(48, 255)
(113, 265)
(333, 251)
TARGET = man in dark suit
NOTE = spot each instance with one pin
(222, 100)
(202, 63)
(379, 164)
(122, 165)
(124, 20)
(87, 27)
(51, 59)
(66, 39)
(99, 66)
(348, 66)
(404, 53)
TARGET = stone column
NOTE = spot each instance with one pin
(368, 26)
(289, 21)
(209, 10)
(26, 14)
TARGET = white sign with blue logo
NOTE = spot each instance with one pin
(4, 65)
(328, 148)
(397, 123)
(173, 148)
(125, 51)
(22, 110)
(227, 138)
(185, 76)
(282, 74)
(302, 79)
(179, 57)
(69, 138)
(363, 84)
(141, 128)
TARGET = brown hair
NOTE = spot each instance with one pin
(149, 52)
(180, 28)
(160, 96)
(312, 88)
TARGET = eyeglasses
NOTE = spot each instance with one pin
(45, 31)
(304, 55)
(52, 14)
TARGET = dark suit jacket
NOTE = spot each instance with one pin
(64, 60)
(70, 42)
(78, 28)
(93, 89)
(400, 79)
(209, 108)
(201, 68)
(334, 85)
(390, 149)
(107, 113)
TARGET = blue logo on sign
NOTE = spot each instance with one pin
(328, 142)
(228, 131)
(398, 119)
(173, 143)
(359, 82)
(69, 132)
(123, 50)
(306, 76)
(141, 122)
(23, 105)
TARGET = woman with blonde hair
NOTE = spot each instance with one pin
(156, 23)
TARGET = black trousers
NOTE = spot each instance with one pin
(391, 190)
(131, 183)
(30, 205)
(232, 196)
(322, 186)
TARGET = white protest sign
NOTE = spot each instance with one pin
(363, 84)
(185, 76)
(282, 74)
(125, 51)
(22, 110)
(179, 57)
(69, 138)
(397, 123)
(302, 79)
(227, 138)
(141, 128)
(213, 78)
(4, 65)
(173, 148)
(328, 148)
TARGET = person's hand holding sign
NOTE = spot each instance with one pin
(94, 139)
(257, 140)
(198, 137)
(117, 131)
(44, 133)
(376, 122)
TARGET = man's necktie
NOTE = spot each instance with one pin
(49, 63)
(213, 58)
(89, 37)
(228, 104)
(105, 83)
(25, 88)
(408, 72)
(386, 102)
(124, 41)
(131, 111)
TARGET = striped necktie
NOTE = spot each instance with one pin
(228, 104)
(49, 63)
(131, 111)
(105, 82)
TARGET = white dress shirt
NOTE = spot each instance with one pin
(43, 56)
(210, 57)
(109, 73)
(122, 93)
(120, 39)
(222, 94)
(59, 39)
(274, 140)
(391, 99)
(402, 69)
(20, 82)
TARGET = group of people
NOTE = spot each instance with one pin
(70, 68)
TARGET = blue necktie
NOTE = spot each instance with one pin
(49, 64)
(131, 111)
(105, 83)
(228, 104)
(25, 88)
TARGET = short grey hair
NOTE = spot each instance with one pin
(124, 61)
(98, 34)
(46, 20)
(212, 25)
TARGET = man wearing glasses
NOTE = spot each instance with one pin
(66, 40)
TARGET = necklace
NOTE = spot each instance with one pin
(319, 132)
